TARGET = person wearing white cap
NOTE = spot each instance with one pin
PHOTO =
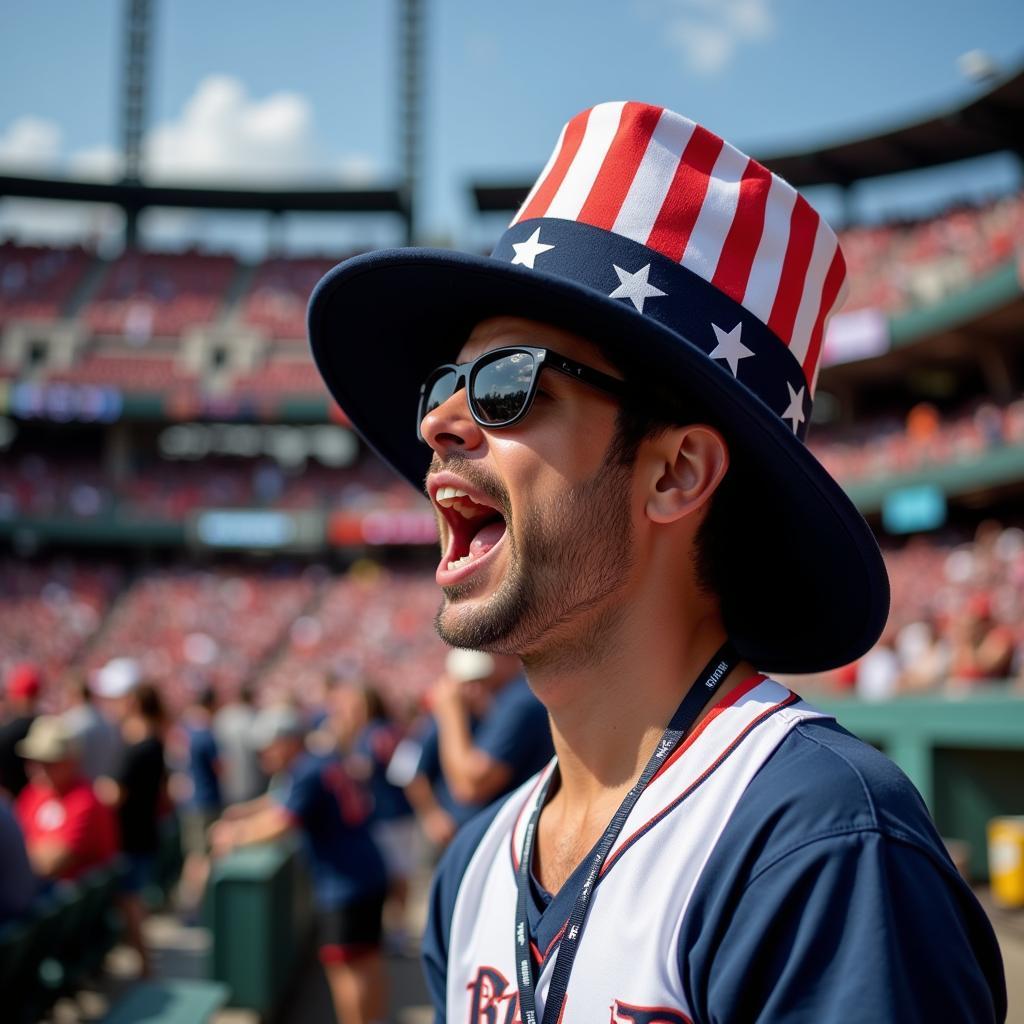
(612, 411)
(488, 733)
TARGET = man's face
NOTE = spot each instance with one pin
(548, 519)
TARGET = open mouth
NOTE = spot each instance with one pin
(474, 530)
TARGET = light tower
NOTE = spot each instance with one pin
(134, 94)
(410, 65)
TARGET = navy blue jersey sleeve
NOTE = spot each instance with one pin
(851, 928)
(443, 892)
(830, 899)
(304, 791)
(430, 754)
(515, 730)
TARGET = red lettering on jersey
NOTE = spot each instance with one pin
(489, 991)
(624, 1013)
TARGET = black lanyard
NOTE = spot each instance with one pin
(696, 698)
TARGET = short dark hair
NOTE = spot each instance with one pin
(647, 410)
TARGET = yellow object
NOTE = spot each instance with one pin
(1006, 860)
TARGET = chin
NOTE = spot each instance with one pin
(489, 623)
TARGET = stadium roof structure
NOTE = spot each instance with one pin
(991, 123)
(133, 198)
(138, 197)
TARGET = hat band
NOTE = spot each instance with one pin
(672, 295)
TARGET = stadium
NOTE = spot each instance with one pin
(177, 489)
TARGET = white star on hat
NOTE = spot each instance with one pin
(528, 251)
(635, 287)
(795, 412)
(730, 348)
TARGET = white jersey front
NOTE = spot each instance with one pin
(626, 969)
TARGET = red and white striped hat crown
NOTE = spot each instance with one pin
(697, 235)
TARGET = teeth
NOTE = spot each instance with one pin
(450, 497)
(460, 561)
(446, 495)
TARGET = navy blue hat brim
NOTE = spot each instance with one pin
(807, 591)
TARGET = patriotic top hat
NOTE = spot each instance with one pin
(646, 230)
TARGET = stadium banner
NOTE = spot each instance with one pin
(862, 334)
(914, 509)
(380, 528)
(62, 403)
(240, 529)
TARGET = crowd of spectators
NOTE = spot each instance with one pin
(335, 764)
(149, 294)
(895, 266)
(285, 629)
(921, 438)
(957, 620)
(277, 298)
(41, 486)
(36, 282)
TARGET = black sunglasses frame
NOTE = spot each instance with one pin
(466, 374)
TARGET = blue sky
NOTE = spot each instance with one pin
(307, 92)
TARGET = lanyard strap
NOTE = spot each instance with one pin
(702, 690)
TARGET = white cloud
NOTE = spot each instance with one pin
(708, 33)
(30, 144)
(222, 136)
(102, 163)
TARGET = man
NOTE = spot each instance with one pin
(67, 830)
(21, 690)
(241, 778)
(316, 798)
(614, 407)
(96, 736)
(199, 795)
(488, 734)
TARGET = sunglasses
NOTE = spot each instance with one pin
(501, 384)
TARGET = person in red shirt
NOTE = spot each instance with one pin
(67, 830)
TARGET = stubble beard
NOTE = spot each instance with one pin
(566, 560)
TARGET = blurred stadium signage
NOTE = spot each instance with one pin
(62, 403)
(289, 445)
(861, 334)
(913, 509)
(257, 530)
(347, 529)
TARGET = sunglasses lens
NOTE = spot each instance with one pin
(501, 388)
(439, 391)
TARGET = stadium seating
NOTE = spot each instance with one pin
(886, 448)
(280, 377)
(895, 266)
(276, 301)
(148, 294)
(128, 372)
(36, 282)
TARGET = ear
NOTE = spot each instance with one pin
(689, 464)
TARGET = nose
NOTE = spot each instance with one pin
(451, 426)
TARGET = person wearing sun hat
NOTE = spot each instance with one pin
(67, 829)
(611, 413)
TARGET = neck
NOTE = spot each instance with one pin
(608, 715)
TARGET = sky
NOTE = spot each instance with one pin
(306, 93)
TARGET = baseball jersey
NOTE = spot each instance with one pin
(372, 751)
(775, 869)
(330, 811)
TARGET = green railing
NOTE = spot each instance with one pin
(966, 756)
(259, 910)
